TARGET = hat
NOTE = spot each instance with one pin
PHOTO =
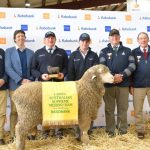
(114, 31)
(49, 33)
(84, 36)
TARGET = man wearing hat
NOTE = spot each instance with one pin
(49, 55)
(80, 60)
(121, 63)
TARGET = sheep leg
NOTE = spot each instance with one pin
(20, 136)
(84, 125)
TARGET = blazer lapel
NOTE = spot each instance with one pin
(28, 58)
(16, 56)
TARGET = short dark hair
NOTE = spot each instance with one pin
(18, 31)
(142, 33)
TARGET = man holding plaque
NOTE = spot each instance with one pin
(54, 57)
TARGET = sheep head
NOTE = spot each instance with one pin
(100, 73)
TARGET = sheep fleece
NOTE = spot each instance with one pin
(28, 101)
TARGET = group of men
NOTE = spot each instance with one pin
(131, 69)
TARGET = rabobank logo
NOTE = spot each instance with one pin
(128, 17)
(69, 40)
(30, 40)
(87, 17)
(45, 28)
(107, 28)
(24, 27)
(2, 40)
(24, 16)
(67, 16)
(129, 41)
(128, 29)
(6, 27)
(68, 52)
(66, 27)
(87, 28)
(148, 28)
(144, 18)
(2, 15)
(107, 17)
(103, 40)
(46, 15)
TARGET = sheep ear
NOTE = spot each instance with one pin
(93, 77)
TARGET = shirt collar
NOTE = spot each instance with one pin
(53, 48)
(115, 46)
(18, 48)
(142, 49)
(84, 54)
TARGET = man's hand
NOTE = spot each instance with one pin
(118, 78)
(25, 81)
(60, 76)
(2, 82)
(45, 77)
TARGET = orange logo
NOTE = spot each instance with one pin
(87, 16)
(46, 15)
(2, 40)
(2, 15)
(128, 18)
(129, 41)
(132, 113)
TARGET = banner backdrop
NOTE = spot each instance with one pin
(68, 25)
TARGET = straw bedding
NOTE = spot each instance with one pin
(99, 141)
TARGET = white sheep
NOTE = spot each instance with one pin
(90, 88)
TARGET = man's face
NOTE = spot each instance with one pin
(50, 41)
(143, 40)
(84, 45)
(114, 39)
(20, 39)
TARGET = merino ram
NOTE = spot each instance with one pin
(90, 88)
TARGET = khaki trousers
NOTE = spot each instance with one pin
(3, 103)
(116, 96)
(138, 101)
(13, 115)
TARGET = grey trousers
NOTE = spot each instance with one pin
(116, 97)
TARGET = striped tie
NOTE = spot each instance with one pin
(50, 50)
(115, 48)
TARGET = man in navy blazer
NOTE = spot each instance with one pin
(17, 66)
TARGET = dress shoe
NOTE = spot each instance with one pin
(59, 134)
(45, 134)
(140, 135)
(122, 132)
(111, 134)
(2, 142)
(52, 132)
(31, 137)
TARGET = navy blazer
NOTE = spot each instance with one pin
(13, 66)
